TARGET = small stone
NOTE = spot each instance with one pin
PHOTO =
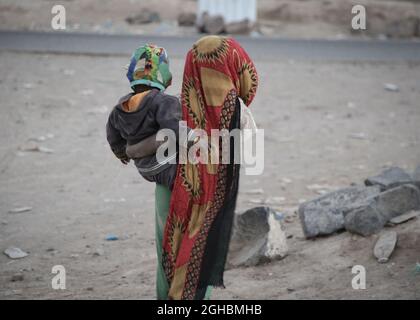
(15, 253)
(405, 217)
(20, 210)
(385, 246)
(391, 87)
(111, 237)
(256, 201)
(33, 147)
(390, 178)
(98, 253)
(255, 191)
(358, 136)
(17, 277)
(417, 269)
(28, 85)
(275, 200)
(286, 180)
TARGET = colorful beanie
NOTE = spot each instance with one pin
(149, 65)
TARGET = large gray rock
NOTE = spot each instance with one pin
(258, 237)
(399, 200)
(325, 215)
(211, 24)
(371, 216)
(365, 220)
(390, 178)
(187, 19)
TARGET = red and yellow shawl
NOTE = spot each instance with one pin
(217, 72)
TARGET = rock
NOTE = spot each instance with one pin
(33, 147)
(255, 191)
(145, 16)
(15, 253)
(404, 217)
(212, 24)
(98, 253)
(17, 277)
(258, 237)
(325, 215)
(402, 28)
(399, 200)
(391, 87)
(371, 217)
(389, 178)
(358, 136)
(240, 27)
(364, 220)
(20, 210)
(385, 246)
(187, 19)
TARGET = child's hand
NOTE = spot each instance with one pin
(125, 161)
(122, 156)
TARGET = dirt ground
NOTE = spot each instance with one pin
(329, 124)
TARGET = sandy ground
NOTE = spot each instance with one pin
(80, 193)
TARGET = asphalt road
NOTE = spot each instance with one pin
(259, 48)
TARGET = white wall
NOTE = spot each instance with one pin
(231, 10)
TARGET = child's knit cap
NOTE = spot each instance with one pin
(149, 65)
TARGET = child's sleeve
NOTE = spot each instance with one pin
(115, 140)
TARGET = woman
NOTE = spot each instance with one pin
(194, 223)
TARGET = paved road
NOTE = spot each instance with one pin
(259, 48)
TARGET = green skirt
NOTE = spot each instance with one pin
(162, 199)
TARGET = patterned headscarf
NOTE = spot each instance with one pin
(149, 65)
(217, 72)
